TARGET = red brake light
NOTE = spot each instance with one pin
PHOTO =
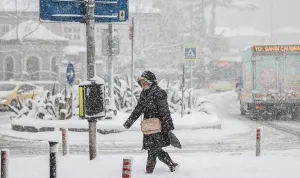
(257, 107)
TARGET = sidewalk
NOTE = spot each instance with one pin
(212, 165)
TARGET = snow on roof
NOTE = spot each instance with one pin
(248, 31)
(17, 82)
(288, 30)
(240, 31)
(245, 5)
(31, 30)
(74, 50)
(135, 9)
(224, 31)
(143, 6)
(231, 59)
(22, 5)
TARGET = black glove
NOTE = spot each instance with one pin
(126, 125)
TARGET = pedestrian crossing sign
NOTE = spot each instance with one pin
(190, 53)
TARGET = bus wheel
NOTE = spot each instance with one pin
(295, 115)
(243, 111)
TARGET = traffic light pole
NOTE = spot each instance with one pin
(132, 64)
(90, 43)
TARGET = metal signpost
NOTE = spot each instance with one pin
(131, 37)
(191, 54)
(88, 12)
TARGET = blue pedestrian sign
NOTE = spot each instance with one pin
(106, 11)
(190, 53)
(70, 74)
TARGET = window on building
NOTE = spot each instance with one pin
(72, 33)
(98, 34)
(9, 68)
(33, 68)
(54, 67)
(4, 29)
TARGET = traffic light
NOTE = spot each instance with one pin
(91, 101)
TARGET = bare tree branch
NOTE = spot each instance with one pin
(26, 8)
(31, 31)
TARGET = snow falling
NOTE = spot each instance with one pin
(128, 88)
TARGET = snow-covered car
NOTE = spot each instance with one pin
(11, 91)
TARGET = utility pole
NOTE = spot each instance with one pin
(271, 21)
(191, 84)
(213, 19)
(110, 63)
(132, 62)
(182, 94)
(90, 44)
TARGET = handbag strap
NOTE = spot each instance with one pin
(142, 118)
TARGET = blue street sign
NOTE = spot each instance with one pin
(70, 73)
(106, 11)
(190, 53)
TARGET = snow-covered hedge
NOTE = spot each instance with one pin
(45, 107)
(48, 106)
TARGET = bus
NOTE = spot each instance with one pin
(271, 81)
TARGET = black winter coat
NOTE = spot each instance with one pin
(153, 103)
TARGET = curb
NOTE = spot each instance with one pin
(32, 129)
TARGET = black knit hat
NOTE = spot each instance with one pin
(148, 76)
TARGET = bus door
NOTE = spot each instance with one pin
(266, 73)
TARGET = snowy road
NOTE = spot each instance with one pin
(237, 134)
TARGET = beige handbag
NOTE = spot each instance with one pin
(151, 126)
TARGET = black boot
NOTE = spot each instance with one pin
(165, 158)
(173, 167)
(151, 161)
(150, 166)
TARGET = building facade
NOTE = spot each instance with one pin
(13, 13)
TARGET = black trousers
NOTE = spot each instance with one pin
(159, 153)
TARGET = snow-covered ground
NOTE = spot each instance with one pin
(236, 135)
(187, 128)
(187, 136)
(208, 165)
(193, 121)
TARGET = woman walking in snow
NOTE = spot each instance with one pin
(157, 121)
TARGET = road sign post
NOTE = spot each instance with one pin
(131, 37)
(191, 54)
(88, 12)
(182, 92)
(90, 44)
(110, 64)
